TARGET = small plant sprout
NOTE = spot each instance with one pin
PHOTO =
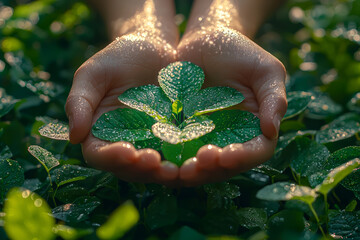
(174, 119)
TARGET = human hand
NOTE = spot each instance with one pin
(229, 58)
(131, 60)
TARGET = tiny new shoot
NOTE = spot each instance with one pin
(174, 119)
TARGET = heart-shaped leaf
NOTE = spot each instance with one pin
(55, 130)
(193, 129)
(283, 191)
(149, 99)
(232, 126)
(297, 103)
(336, 175)
(211, 99)
(180, 79)
(341, 128)
(124, 125)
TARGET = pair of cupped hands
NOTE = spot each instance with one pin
(228, 58)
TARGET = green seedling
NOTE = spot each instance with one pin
(174, 118)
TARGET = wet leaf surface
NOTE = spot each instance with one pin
(11, 175)
(27, 216)
(76, 212)
(188, 131)
(308, 156)
(297, 103)
(344, 225)
(283, 191)
(322, 106)
(55, 130)
(45, 157)
(252, 218)
(336, 175)
(232, 126)
(124, 125)
(72, 173)
(211, 99)
(341, 128)
(5, 152)
(149, 99)
(180, 79)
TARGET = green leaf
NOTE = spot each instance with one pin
(287, 220)
(341, 128)
(180, 79)
(336, 175)
(149, 99)
(284, 191)
(27, 216)
(55, 130)
(45, 157)
(11, 175)
(252, 217)
(120, 221)
(220, 195)
(344, 225)
(322, 106)
(69, 233)
(124, 125)
(179, 153)
(6, 103)
(187, 233)
(342, 156)
(354, 103)
(336, 159)
(193, 129)
(77, 211)
(297, 103)
(307, 156)
(232, 126)
(177, 107)
(5, 152)
(72, 173)
(220, 221)
(162, 211)
(211, 99)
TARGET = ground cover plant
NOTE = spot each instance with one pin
(171, 119)
(309, 189)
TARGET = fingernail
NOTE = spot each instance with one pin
(276, 122)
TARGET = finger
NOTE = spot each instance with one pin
(87, 90)
(149, 159)
(110, 157)
(167, 173)
(269, 88)
(207, 157)
(241, 157)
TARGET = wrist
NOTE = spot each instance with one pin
(245, 16)
(150, 18)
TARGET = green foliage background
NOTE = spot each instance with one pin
(43, 42)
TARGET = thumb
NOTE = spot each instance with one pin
(87, 90)
(271, 96)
